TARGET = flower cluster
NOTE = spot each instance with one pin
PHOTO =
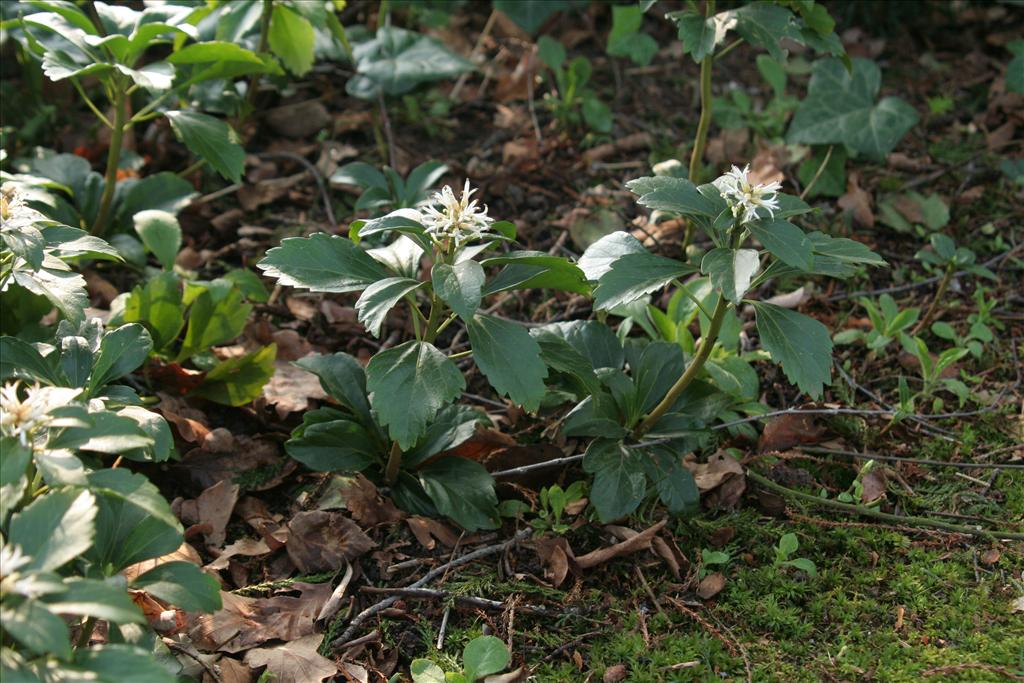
(21, 418)
(455, 216)
(745, 199)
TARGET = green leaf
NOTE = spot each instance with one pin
(619, 480)
(395, 61)
(731, 270)
(13, 470)
(380, 297)
(832, 182)
(158, 305)
(20, 359)
(399, 221)
(181, 584)
(55, 528)
(292, 39)
(840, 108)
(38, 629)
(509, 358)
(799, 343)
(119, 663)
(462, 490)
(216, 316)
(237, 381)
(333, 446)
(788, 544)
(121, 352)
(676, 485)
(160, 232)
(453, 425)
(804, 565)
(677, 196)
(558, 354)
(210, 139)
(459, 286)
(698, 34)
(344, 379)
(625, 38)
(530, 15)
(408, 384)
(483, 656)
(64, 289)
(106, 433)
(785, 241)
(321, 263)
(634, 275)
(425, 671)
(92, 598)
(599, 256)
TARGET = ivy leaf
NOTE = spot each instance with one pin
(292, 39)
(210, 139)
(634, 275)
(408, 384)
(463, 490)
(785, 241)
(799, 343)
(321, 263)
(510, 359)
(698, 34)
(380, 297)
(619, 480)
(460, 286)
(840, 108)
(396, 60)
(731, 270)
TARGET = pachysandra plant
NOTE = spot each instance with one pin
(736, 215)
(72, 537)
(410, 388)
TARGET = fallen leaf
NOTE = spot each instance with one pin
(290, 388)
(1017, 605)
(615, 673)
(243, 623)
(519, 675)
(426, 530)
(214, 507)
(858, 201)
(631, 545)
(766, 166)
(298, 120)
(323, 541)
(721, 478)
(791, 429)
(873, 486)
(367, 505)
(671, 555)
(711, 585)
(246, 457)
(253, 196)
(184, 553)
(557, 558)
(989, 557)
(249, 547)
(188, 421)
(302, 307)
(629, 143)
(294, 662)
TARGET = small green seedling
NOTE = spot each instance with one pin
(553, 501)
(572, 98)
(387, 189)
(712, 558)
(888, 321)
(483, 656)
(788, 545)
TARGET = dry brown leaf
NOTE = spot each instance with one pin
(615, 674)
(873, 484)
(785, 431)
(909, 208)
(243, 623)
(252, 197)
(1001, 136)
(367, 505)
(247, 454)
(187, 420)
(290, 345)
(323, 541)
(989, 557)
(232, 671)
(629, 143)
(294, 662)
(672, 556)
(214, 507)
(426, 530)
(766, 166)
(721, 478)
(631, 545)
(728, 147)
(858, 201)
(557, 558)
(519, 675)
(290, 388)
(302, 307)
(249, 547)
(184, 553)
(711, 585)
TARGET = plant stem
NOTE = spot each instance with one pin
(192, 168)
(701, 139)
(933, 309)
(878, 514)
(817, 174)
(254, 81)
(386, 122)
(86, 634)
(706, 344)
(113, 159)
(394, 464)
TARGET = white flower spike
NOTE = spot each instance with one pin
(745, 199)
(20, 418)
(456, 216)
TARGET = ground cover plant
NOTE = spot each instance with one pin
(537, 340)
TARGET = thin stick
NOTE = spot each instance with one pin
(877, 514)
(817, 174)
(386, 120)
(913, 461)
(358, 619)
(459, 84)
(537, 466)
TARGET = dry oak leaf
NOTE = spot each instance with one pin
(243, 623)
(231, 671)
(721, 477)
(214, 507)
(873, 486)
(557, 558)
(294, 662)
(323, 541)
(785, 431)
(631, 545)
(426, 530)
(290, 388)
(858, 201)
(248, 547)
(247, 454)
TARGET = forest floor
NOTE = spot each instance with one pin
(709, 600)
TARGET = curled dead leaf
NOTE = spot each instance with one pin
(323, 541)
(711, 585)
(785, 431)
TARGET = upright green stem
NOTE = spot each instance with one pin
(692, 370)
(394, 464)
(939, 293)
(113, 159)
(701, 139)
(254, 81)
